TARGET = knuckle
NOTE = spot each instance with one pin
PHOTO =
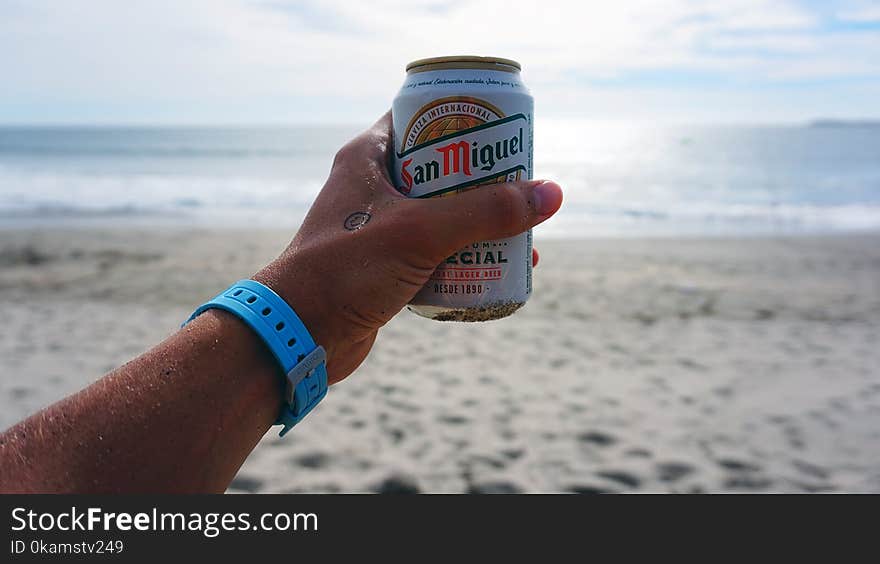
(369, 146)
(344, 154)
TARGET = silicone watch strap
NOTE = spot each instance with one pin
(303, 362)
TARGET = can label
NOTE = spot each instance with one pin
(475, 146)
(448, 142)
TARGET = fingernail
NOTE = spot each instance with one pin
(548, 198)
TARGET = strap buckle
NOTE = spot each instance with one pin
(302, 370)
(311, 392)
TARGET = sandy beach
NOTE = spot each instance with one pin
(640, 365)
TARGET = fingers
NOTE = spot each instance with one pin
(489, 212)
(535, 257)
(362, 163)
(383, 125)
(376, 140)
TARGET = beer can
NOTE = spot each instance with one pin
(462, 123)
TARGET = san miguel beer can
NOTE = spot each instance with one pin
(461, 123)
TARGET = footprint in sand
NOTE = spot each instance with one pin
(397, 483)
(748, 483)
(512, 453)
(744, 475)
(488, 461)
(597, 438)
(312, 460)
(245, 483)
(317, 488)
(735, 465)
(673, 471)
(576, 408)
(558, 362)
(496, 487)
(810, 487)
(794, 436)
(811, 470)
(20, 393)
(396, 435)
(453, 419)
(621, 477)
(588, 489)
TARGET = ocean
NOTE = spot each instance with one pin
(619, 179)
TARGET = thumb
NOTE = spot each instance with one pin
(490, 212)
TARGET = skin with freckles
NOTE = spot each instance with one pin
(183, 416)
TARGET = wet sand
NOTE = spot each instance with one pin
(653, 365)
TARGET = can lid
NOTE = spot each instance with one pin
(464, 62)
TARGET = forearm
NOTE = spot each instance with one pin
(182, 417)
(185, 415)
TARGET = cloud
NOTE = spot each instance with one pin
(861, 12)
(338, 59)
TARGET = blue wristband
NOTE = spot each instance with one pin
(281, 329)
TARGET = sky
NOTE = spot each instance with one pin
(341, 61)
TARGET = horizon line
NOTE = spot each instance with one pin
(807, 122)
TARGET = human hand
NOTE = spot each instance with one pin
(364, 249)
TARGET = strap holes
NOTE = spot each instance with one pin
(280, 326)
(251, 299)
(291, 342)
(267, 311)
(237, 292)
(300, 358)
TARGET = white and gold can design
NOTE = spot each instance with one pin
(461, 123)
